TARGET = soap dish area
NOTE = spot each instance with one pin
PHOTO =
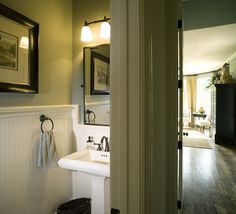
(100, 156)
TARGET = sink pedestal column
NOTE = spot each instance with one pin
(98, 195)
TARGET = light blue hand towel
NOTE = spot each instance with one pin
(47, 154)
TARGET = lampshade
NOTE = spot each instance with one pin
(86, 34)
(105, 30)
(24, 42)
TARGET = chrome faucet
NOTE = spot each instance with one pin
(107, 149)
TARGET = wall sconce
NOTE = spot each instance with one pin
(86, 34)
(105, 30)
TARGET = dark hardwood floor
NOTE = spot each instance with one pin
(209, 180)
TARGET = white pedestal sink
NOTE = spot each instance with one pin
(99, 171)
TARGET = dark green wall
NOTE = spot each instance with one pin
(208, 13)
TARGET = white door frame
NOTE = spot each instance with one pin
(144, 106)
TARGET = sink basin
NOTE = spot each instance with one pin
(82, 161)
(100, 156)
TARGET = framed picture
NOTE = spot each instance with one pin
(100, 74)
(8, 51)
(18, 52)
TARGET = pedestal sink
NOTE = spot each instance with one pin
(99, 170)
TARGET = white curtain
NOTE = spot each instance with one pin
(190, 94)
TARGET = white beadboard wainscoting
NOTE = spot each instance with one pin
(25, 188)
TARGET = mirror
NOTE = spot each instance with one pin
(97, 85)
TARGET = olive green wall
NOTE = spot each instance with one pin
(55, 52)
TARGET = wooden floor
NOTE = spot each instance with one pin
(209, 180)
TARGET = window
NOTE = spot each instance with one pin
(203, 93)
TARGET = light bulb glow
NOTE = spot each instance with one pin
(105, 30)
(24, 42)
(86, 34)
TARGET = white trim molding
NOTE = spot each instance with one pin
(119, 111)
(29, 110)
(144, 106)
(5, 110)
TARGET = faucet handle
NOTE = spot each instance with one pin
(90, 139)
(99, 146)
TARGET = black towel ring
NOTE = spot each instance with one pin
(89, 113)
(43, 118)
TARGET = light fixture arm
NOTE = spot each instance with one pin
(105, 19)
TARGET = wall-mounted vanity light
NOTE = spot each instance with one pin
(105, 28)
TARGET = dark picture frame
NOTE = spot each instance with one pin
(100, 74)
(11, 53)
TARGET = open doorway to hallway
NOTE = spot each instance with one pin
(209, 107)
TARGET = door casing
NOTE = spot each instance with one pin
(144, 60)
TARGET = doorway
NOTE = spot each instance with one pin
(208, 159)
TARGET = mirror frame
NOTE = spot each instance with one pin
(33, 30)
(84, 85)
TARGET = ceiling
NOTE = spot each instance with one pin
(209, 34)
(208, 49)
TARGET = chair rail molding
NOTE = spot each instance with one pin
(29, 110)
(12, 109)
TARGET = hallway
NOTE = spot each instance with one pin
(209, 180)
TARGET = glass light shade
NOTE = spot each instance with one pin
(86, 34)
(105, 30)
(24, 42)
